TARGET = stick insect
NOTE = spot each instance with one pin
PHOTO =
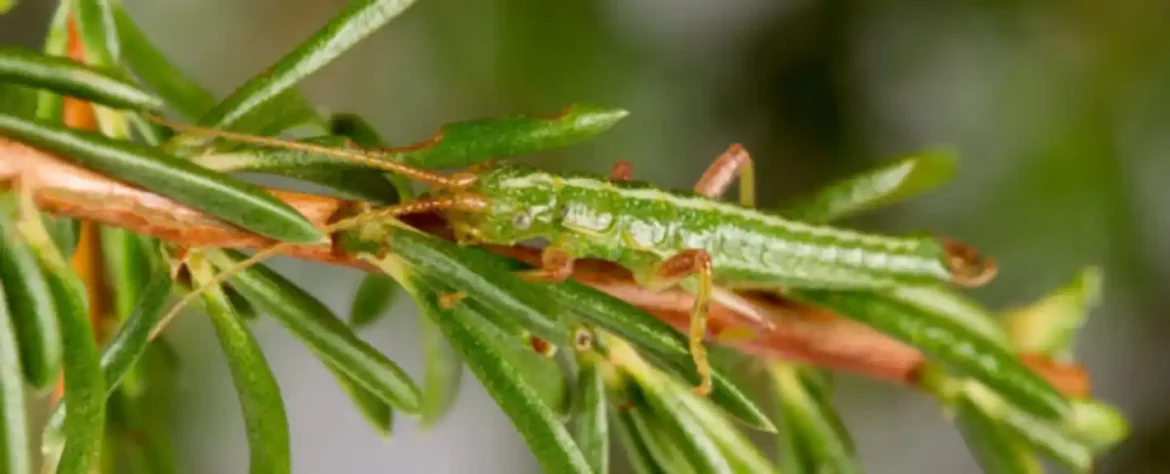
(666, 238)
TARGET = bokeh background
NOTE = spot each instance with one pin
(1056, 109)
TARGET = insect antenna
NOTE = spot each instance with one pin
(464, 202)
(456, 180)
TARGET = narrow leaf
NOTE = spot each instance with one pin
(315, 324)
(234, 201)
(539, 426)
(880, 186)
(637, 449)
(153, 68)
(259, 394)
(95, 22)
(371, 405)
(50, 106)
(363, 134)
(813, 436)
(352, 181)
(130, 342)
(1097, 424)
(470, 271)
(18, 100)
(476, 141)
(374, 297)
(683, 429)
(68, 77)
(1049, 326)
(85, 389)
(27, 295)
(590, 422)
(995, 449)
(128, 267)
(357, 21)
(659, 441)
(941, 338)
(15, 453)
(1040, 434)
(741, 453)
(959, 308)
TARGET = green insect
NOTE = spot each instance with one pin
(666, 238)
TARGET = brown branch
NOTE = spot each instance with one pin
(800, 333)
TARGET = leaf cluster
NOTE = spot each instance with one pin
(566, 362)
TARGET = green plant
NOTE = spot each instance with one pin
(620, 364)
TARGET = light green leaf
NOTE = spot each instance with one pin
(813, 437)
(880, 186)
(95, 22)
(15, 452)
(375, 410)
(1049, 326)
(259, 394)
(443, 372)
(68, 77)
(995, 449)
(357, 21)
(50, 106)
(315, 324)
(237, 202)
(27, 294)
(1040, 434)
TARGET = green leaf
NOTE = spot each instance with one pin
(443, 371)
(68, 77)
(153, 68)
(50, 106)
(129, 344)
(1049, 326)
(995, 449)
(700, 451)
(1040, 434)
(259, 394)
(660, 443)
(374, 297)
(27, 295)
(371, 405)
(15, 453)
(128, 267)
(476, 141)
(740, 452)
(637, 449)
(316, 325)
(363, 134)
(813, 437)
(539, 425)
(85, 389)
(880, 186)
(961, 309)
(358, 20)
(1097, 424)
(352, 181)
(237, 202)
(590, 422)
(18, 100)
(483, 278)
(943, 339)
(63, 231)
(95, 22)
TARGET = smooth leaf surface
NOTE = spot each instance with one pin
(234, 201)
(539, 426)
(315, 324)
(355, 22)
(683, 429)
(995, 449)
(128, 267)
(264, 414)
(1040, 434)
(95, 22)
(590, 419)
(880, 186)
(18, 100)
(50, 106)
(941, 338)
(961, 309)
(443, 371)
(741, 453)
(15, 453)
(375, 295)
(666, 454)
(27, 295)
(153, 69)
(373, 408)
(65, 76)
(637, 451)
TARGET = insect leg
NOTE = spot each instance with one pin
(622, 171)
(556, 265)
(669, 272)
(733, 163)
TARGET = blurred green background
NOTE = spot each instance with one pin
(1056, 109)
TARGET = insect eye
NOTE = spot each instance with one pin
(521, 221)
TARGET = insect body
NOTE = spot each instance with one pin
(664, 237)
